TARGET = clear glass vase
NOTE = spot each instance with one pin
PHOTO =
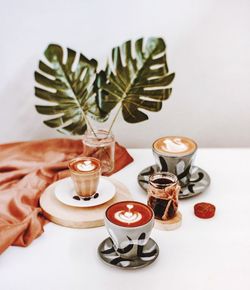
(101, 145)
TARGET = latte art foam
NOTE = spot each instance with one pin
(86, 165)
(175, 145)
(128, 216)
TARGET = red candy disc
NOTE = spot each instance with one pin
(204, 210)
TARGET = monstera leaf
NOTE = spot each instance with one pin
(68, 86)
(137, 78)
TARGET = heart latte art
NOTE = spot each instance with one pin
(175, 145)
(128, 216)
(84, 165)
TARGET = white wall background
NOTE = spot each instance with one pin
(208, 47)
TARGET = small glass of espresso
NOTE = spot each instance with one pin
(163, 191)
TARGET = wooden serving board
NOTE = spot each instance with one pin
(79, 217)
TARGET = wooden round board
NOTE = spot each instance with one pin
(75, 217)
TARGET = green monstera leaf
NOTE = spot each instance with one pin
(137, 78)
(68, 86)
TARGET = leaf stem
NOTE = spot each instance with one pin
(116, 115)
(90, 126)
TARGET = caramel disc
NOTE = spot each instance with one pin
(204, 210)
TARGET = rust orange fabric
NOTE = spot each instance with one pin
(26, 169)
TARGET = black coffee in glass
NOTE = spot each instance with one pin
(163, 191)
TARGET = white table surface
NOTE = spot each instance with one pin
(202, 254)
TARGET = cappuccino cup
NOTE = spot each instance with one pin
(129, 224)
(85, 173)
(175, 154)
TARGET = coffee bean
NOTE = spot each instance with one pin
(96, 195)
(87, 198)
(76, 197)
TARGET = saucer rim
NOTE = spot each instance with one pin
(129, 268)
(81, 205)
(181, 196)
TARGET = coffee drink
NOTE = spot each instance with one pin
(129, 214)
(175, 154)
(85, 173)
(174, 146)
(163, 191)
(129, 224)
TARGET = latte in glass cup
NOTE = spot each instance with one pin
(85, 173)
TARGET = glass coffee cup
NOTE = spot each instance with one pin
(163, 192)
(85, 173)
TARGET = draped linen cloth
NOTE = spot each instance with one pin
(26, 169)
